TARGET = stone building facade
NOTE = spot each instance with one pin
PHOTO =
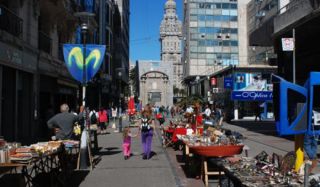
(155, 83)
(170, 39)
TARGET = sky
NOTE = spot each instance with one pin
(145, 20)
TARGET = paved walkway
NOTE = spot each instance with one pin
(166, 169)
(114, 171)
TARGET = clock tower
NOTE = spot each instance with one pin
(170, 39)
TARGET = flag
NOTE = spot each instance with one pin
(73, 57)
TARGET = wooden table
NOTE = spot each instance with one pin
(211, 151)
(54, 163)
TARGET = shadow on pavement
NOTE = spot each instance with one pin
(104, 153)
(111, 148)
(77, 178)
(262, 127)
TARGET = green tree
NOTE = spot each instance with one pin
(133, 76)
(176, 91)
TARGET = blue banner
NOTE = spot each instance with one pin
(228, 82)
(89, 5)
(252, 95)
(73, 57)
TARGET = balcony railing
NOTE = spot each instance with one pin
(44, 42)
(10, 22)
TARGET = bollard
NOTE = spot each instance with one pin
(306, 174)
(120, 123)
(83, 159)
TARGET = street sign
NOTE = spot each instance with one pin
(287, 44)
(213, 81)
(252, 95)
(228, 82)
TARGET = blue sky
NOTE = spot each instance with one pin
(145, 19)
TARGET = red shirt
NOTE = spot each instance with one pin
(103, 116)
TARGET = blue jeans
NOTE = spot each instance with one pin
(310, 146)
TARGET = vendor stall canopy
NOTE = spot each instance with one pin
(295, 105)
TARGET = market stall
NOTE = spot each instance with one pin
(52, 158)
(212, 143)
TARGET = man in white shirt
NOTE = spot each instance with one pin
(207, 112)
(189, 109)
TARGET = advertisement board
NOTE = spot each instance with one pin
(251, 87)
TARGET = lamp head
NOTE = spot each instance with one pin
(84, 27)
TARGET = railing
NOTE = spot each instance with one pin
(44, 42)
(10, 22)
(290, 5)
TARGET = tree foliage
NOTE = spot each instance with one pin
(133, 76)
(191, 100)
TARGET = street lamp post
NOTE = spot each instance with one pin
(120, 108)
(84, 29)
(85, 152)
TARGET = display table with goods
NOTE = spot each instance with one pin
(261, 170)
(175, 129)
(44, 158)
(213, 143)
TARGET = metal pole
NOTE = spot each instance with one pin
(84, 73)
(298, 138)
(120, 109)
(294, 56)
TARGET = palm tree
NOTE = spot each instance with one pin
(176, 91)
(183, 92)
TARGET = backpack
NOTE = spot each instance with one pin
(145, 126)
(93, 118)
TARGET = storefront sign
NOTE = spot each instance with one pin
(213, 81)
(228, 82)
(252, 95)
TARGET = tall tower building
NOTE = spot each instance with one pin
(170, 38)
(210, 36)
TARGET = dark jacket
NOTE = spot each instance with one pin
(65, 122)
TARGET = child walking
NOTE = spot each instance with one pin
(126, 145)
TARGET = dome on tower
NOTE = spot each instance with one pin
(170, 4)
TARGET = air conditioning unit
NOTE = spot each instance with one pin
(261, 14)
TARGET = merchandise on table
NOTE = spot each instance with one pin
(263, 170)
(71, 143)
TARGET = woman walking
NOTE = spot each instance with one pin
(146, 129)
(103, 120)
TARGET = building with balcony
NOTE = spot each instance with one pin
(303, 18)
(33, 78)
(120, 63)
(210, 36)
(34, 81)
(261, 14)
